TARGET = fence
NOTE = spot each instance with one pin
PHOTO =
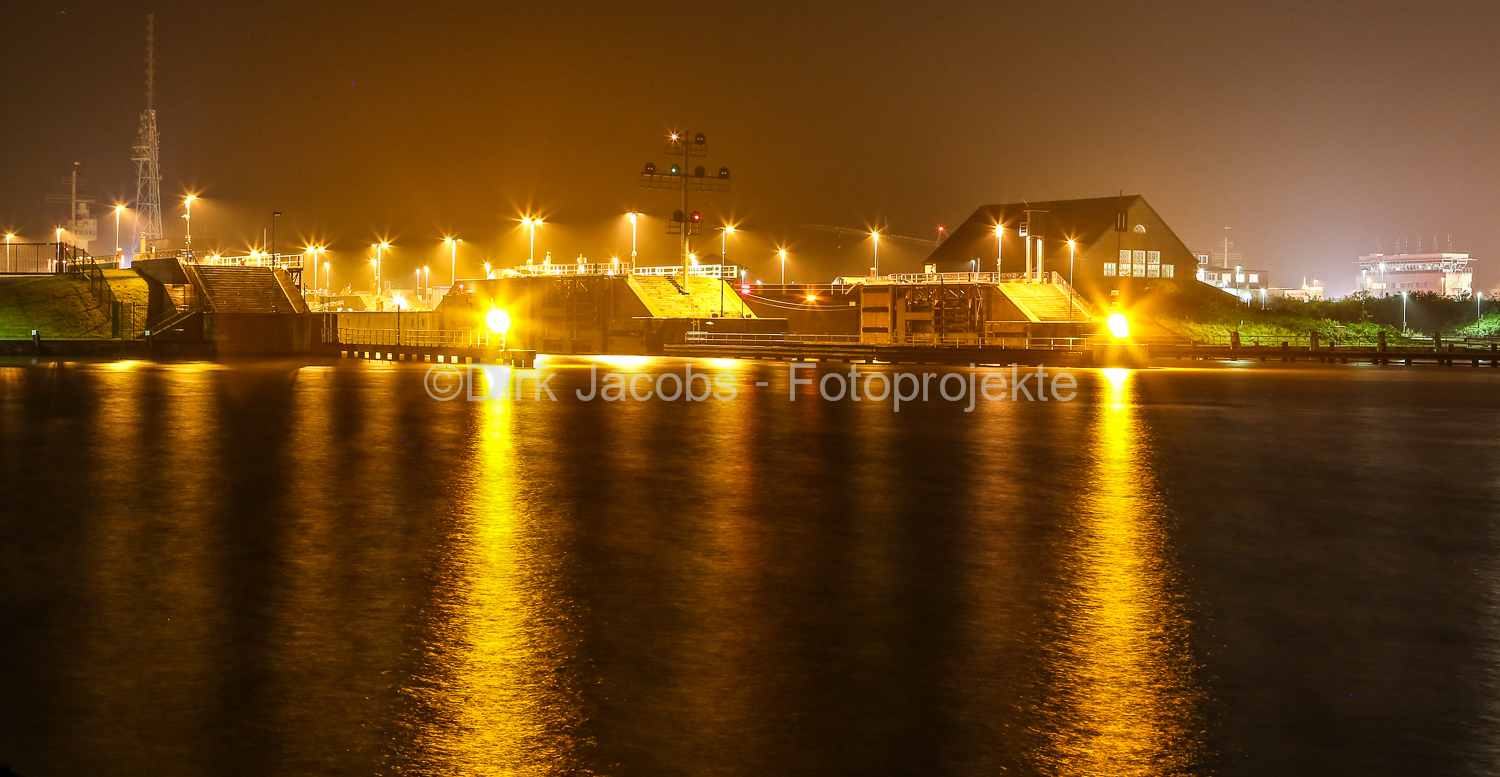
(924, 340)
(421, 338)
(277, 261)
(38, 258)
(721, 271)
(587, 268)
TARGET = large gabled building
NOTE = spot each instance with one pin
(1120, 246)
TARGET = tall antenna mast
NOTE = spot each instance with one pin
(147, 157)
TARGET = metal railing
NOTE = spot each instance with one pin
(721, 271)
(40, 258)
(419, 338)
(924, 340)
(587, 268)
(277, 261)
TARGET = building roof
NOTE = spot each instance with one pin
(1085, 221)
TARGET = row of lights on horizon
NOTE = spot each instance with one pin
(530, 222)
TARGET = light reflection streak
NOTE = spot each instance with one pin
(495, 694)
(1124, 697)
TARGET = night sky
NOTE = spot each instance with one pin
(1310, 129)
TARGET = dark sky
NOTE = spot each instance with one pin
(1310, 129)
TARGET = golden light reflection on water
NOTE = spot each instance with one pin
(1124, 698)
(495, 695)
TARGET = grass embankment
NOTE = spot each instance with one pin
(61, 307)
(1351, 320)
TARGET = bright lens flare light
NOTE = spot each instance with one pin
(1118, 326)
(497, 320)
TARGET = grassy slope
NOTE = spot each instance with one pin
(62, 308)
(1213, 317)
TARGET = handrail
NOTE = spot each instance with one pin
(421, 338)
(930, 340)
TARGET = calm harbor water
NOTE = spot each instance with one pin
(276, 568)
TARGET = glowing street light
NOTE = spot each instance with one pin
(724, 243)
(999, 247)
(379, 249)
(9, 236)
(782, 252)
(634, 216)
(453, 259)
(876, 235)
(316, 251)
(531, 224)
(1403, 311)
(118, 210)
(187, 202)
(327, 278)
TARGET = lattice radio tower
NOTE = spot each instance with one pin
(685, 222)
(146, 157)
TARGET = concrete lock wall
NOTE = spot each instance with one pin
(265, 334)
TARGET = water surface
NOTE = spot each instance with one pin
(277, 568)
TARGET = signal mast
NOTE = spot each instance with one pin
(685, 222)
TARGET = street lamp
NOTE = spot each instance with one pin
(783, 266)
(1403, 311)
(379, 249)
(633, 216)
(1072, 251)
(327, 278)
(187, 202)
(317, 251)
(724, 244)
(531, 224)
(9, 236)
(453, 259)
(876, 235)
(999, 248)
(118, 210)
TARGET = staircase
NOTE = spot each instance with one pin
(1048, 302)
(663, 296)
(244, 289)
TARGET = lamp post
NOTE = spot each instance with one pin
(327, 278)
(453, 259)
(999, 248)
(118, 210)
(531, 224)
(783, 266)
(274, 255)
(187, 202)
(633, 216)
(58, 260)
(876, 236)
(1477, 314)
(1403, 311)
(724, 244)
(1072, 254)
(379, 254)
(9, 236)
(317, 252)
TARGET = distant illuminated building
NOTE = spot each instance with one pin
(1242, 282)
(1306, 293)
(1448, 274)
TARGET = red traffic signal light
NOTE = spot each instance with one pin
(697, 216)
